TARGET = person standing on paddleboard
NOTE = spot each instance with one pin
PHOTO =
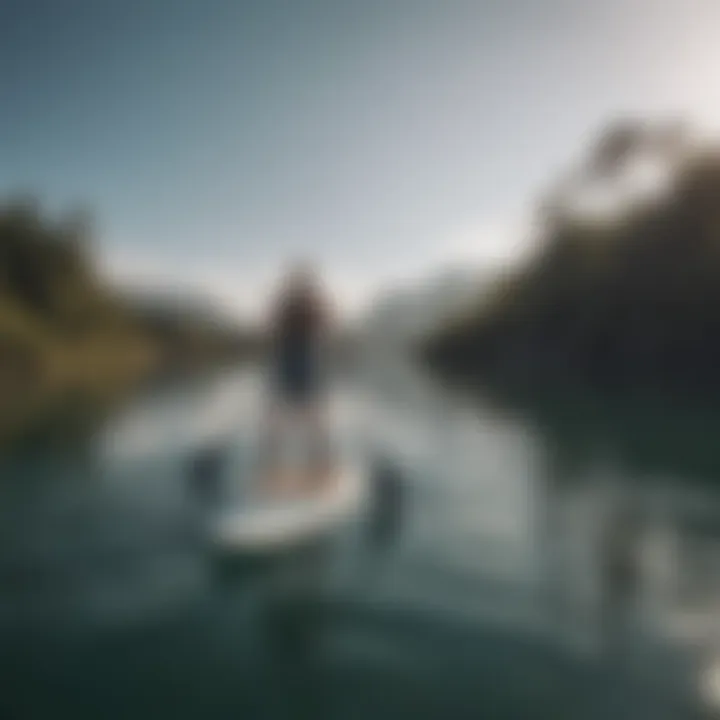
(299, 327)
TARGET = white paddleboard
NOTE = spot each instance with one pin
(275, 524)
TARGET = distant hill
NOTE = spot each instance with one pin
(404, 315)
(192, 328)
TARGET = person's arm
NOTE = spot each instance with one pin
(273, 323)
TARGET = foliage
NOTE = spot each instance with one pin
(627, 298)
(64, 331)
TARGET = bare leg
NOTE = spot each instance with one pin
(269, 465)
(321, 452)
(269, 436)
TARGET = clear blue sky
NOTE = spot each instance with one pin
(215, 137)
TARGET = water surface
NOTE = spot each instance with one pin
(526, 571)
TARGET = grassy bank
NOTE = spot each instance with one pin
(66, 335)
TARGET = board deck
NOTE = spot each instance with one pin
(276, 522)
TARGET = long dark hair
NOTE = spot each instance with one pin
(302, 305)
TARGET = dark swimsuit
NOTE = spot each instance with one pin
(298, 375)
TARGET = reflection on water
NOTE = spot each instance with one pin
(559, 562)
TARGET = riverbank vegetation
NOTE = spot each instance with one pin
(622, 291)
(66, 334)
